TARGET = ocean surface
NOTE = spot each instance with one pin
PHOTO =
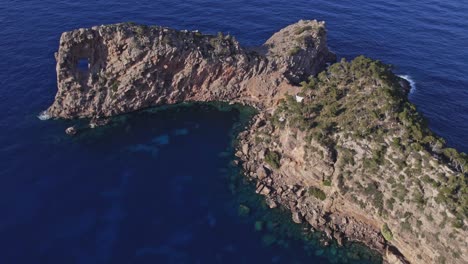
(157, 186)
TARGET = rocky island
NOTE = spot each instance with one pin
(341, 147)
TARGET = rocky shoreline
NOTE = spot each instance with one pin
(335, 218)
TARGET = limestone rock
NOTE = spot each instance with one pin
(245, 149)
(130, 67)
(261, 173)
(296, 217)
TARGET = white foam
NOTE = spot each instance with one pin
(411, 82)
(44, 115)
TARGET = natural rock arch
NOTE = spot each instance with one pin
(133, 66)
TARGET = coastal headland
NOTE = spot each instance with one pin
(339, 145)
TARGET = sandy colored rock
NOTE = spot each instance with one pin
(130, 67)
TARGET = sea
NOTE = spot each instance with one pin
(160, 185)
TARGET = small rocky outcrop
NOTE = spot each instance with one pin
(71, 131)
(114, 69)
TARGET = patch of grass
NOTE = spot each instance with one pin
(303, 29)
(294, 51)
(115, 86)
(273, 159)
(317, 193)
(406, 226)
(327, 183)
(386, 232)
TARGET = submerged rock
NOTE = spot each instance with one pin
(243, 210)
(296, 217)
(258, 226)
(97, 122)
(268, 240)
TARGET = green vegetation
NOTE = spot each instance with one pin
(258, 225)
(243, 210)
(363, 101)
(317, 193)
(141, 29)
(198, 34)
(115, 86)
(167, 40)
(327, 182)
(294, 51)
(386, 232)
(406, 226)
(222, 44)
(273, 159)
(303, 29)
(375, 195)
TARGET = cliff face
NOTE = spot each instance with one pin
(355, 159)
(130, 67)
(346, 152)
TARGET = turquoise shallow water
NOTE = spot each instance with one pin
(154, 187)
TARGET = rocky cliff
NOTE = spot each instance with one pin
(342, 148)
(129, 67)
(354, 158)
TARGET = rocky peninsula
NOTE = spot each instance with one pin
(131, 67)
(341, 147)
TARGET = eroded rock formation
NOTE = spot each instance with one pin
(130, 67)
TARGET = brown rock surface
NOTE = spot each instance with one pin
(131, 67)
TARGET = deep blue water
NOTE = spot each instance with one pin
(153, 188)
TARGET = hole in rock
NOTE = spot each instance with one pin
(83, 64)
